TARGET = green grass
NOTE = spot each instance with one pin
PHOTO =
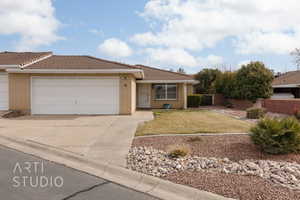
(191, 121)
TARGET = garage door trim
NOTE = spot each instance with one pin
(6, 100)
(117, 78)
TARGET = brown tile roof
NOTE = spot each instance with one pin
(77, 62)
(160, 74)
(20, 58)
(292, 77)
(84, 62)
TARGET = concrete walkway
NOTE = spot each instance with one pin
(103, 138)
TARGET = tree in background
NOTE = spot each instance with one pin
(253, 81)
(226, 84)
(207, 79)
(181, 70)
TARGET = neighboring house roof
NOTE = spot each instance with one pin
(77, 62)
(289, 79)
(21, 58)
(159, 74)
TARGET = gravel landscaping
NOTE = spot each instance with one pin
(233, 147)
(236, 168)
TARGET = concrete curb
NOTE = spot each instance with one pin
(140, 182)
(192, 134)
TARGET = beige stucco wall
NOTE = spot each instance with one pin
(133, 95)
(190, 89)
(177, 104)
(19, 91)
(127, 95)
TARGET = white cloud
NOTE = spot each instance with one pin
(172, 57)
(211, 60)
(244, 62)
(257, 26)
(179, 58)
(33, 20)
(115, 48)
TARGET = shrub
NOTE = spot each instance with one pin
(207, 100)
(277, 136)
(255, 113)
(297, 114)
(228, 104)
(253, 81)
(178, 150)
(194, 100)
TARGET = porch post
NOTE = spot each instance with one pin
(184, 96)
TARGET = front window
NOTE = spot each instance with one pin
(165, 91)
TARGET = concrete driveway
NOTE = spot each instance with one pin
(104, 138)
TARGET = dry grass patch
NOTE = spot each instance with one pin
(192, 121)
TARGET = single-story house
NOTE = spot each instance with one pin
(287, 85)
(43, 83)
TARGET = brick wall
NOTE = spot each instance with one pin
(288, 106)
(241, 104)
(219, 100)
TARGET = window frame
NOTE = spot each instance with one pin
(166, 91)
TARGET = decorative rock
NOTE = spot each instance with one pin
(157, 163)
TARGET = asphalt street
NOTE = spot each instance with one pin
(24, 177)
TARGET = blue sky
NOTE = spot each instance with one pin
(163, 33)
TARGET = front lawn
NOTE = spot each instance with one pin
(191, 121)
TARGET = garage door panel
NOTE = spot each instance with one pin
(3, 92)
(75, 96)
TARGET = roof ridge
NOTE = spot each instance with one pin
(37, 59)
(35, 52)
(177, 73)
(114, 62)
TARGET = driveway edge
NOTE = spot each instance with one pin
(140, 182)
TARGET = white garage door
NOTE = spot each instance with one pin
(3, 91)
(75, 95)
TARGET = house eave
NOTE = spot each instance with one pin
(287, 86)
(168, 81)
(136, 72)
(9, 66)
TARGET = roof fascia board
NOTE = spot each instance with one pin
(137, 72)
(168, 81)
(9, 66)
(287, 86)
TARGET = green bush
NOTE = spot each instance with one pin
(255, 113)
(228, 104)
(178, 150)
(277, 136)
(194, 100)
(253, 81)
(297, 114)
(207, 100)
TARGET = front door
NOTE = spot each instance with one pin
(144, 95)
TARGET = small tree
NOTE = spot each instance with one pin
(226, 84)
(207, 79)
(181, 70)
(254, 81)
